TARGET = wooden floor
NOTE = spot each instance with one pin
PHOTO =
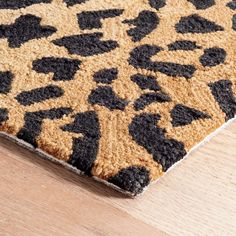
(198, 197)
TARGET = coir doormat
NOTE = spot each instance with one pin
(117, 89)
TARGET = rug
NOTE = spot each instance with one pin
(119, 90)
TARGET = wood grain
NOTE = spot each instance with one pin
(198, 197)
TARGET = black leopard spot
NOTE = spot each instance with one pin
(38, 95)
(33, 123)
(17, 4)
(25, 28)
(146, 82)
(223, 94)
(92, 19)
(3, 115)
(213, 56)
(202, 4)
(63, 68)
(105, 96)
(145, 132)
(74, 2)
(145, 23)
(232, 5)
(5, 81)
(85, 148)
(196, 24)
(132, 179)
(86, 44)
(157, 4)
(140, 58)
(149, 98)
(182, 115)
(234, 22)
(85, 123)
(106, 76)
(184, 45)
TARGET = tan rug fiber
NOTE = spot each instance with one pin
(118, 89)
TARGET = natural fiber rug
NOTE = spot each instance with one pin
(118, 89)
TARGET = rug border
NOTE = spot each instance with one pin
(49, 157)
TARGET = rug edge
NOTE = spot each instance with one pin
(49, 157)
(41, 154)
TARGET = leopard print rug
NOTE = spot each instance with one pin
(119, 89)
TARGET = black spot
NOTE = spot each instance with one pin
(149, 98)
(132, 179)
(25, 28)
(213, 57)
(74, 2)
(38, 95)
(85, 148)
(106, 76)
(174, 69)
(196, 24)
(105, 96)
(63, 68)
(140, 58)
(182, 115)
(232, 5)
(146, 82)
(5, 81)
(145, 23)
(33, 122)
(223, 94)
(92, 19)
(183, 45)
(86, 44)
(85, 123)
(145, 132)
(16, 4)
(157, 4)
(3, 115)
(202, 4)
(234, 22)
